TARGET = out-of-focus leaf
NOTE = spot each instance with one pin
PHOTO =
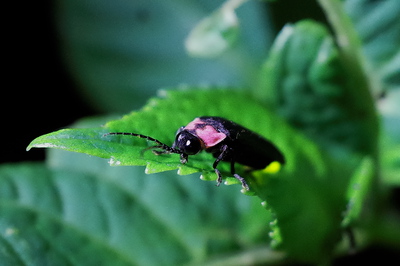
(115, 216)
(359, 187)
(305, 81)
(214, 34)
(121, 52)
(390, 138)
(44, 222)
(378, 24)
(308, 197)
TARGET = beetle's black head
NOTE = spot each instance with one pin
(187, 143)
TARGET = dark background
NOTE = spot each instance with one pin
(39, 95)
(36, 82)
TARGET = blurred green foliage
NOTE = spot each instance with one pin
(121, 54)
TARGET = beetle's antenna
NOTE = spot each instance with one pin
(160, 145)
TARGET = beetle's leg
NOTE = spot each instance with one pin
(220, 157)
(238, 177)
(163, 149)
(157, 152)
(154, 151)
(352, 241)
(219, 179)
(184, 158)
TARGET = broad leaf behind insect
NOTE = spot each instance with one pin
(314, 182)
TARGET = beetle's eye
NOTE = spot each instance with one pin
(187, 143)
(192, 146)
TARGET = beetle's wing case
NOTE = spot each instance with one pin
(221, 124)
(250, 148)
(255, 151)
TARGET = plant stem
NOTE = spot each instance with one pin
(362, 83)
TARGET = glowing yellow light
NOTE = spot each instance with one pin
(272, 168)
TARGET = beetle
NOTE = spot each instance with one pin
(224, 139)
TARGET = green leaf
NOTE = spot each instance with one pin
(115, 216)
(316, 183)
(214, 34)
(305, 81)
(361, 183)
(39, 223)
(160, 119)
(377, 23)
(390, 144)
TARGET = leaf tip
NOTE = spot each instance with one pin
(40, 143)
(32, 144)
(29, 147)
